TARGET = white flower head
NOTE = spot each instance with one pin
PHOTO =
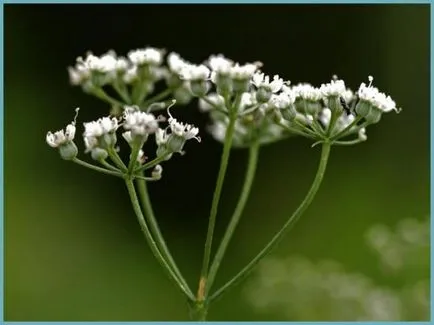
(335, 87)
(139, 123)
(161, 137)
(183, 130)
(149, 55)
(79, 74)
(307, 92)
(348, 95)
(194, 72)
(100, 127)
(130, 75)
(342, 122)
(259, 79)
(176, 63)
(283, 100)
(375, 97)
(245, 71)
(62, 137)
(218, 130)
(105, 63)
(96, 130)
(121, 64)
(219, 64)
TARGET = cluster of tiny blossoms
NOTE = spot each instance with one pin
(265, 108)
(259, 108)
(269, 108)
(100, 138)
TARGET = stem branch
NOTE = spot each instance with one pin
(290, 222)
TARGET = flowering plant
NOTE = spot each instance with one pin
(247, 109)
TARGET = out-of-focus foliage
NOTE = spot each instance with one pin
(302, 290)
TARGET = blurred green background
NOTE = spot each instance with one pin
(74, 250)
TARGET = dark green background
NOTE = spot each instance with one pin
(74, 250)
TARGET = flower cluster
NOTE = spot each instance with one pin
(266, 108)
(96, 71)
(100, 137)
(269, 108)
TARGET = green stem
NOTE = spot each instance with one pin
(98, 169)
(346, 130)
(108, 166)
(157, 97)
(216, 197)
(151, 163)
(296, 131)
(305, 129)
(151, 241)
(150, 216)
(248, 181)
(290, 222)
(114, 156)
(101, 94)
(122, 91)
(199, 311)
(348, 143)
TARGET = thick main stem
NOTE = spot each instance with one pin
(290, 222)
(248, 181)
(214, 206)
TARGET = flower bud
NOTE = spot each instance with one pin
(68, 151)
(263, 94)
(182, 95)
(363, 108)
(99, 154)
(374, 116)
(199, 88)
(175, 143)
(334, 104)
(157, 172)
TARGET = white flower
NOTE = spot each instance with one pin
(333, 88)
(186, 131)
(259, 79)
(307, 92)
(121, 64)
(100, 127)
(376, 98)
(342, 122)
(161, 137)
(176, 63)
(130, 75)
(247, 99)
(194, 72)
(384, 103)
(218, 130)
(348, 95)
(140, 123)
(61, 137)
(245, 71)
(105, 63)
(367, 92)
(148, 55)
(95, 130)
(283, 100)
(219, 64)
(78, 75)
